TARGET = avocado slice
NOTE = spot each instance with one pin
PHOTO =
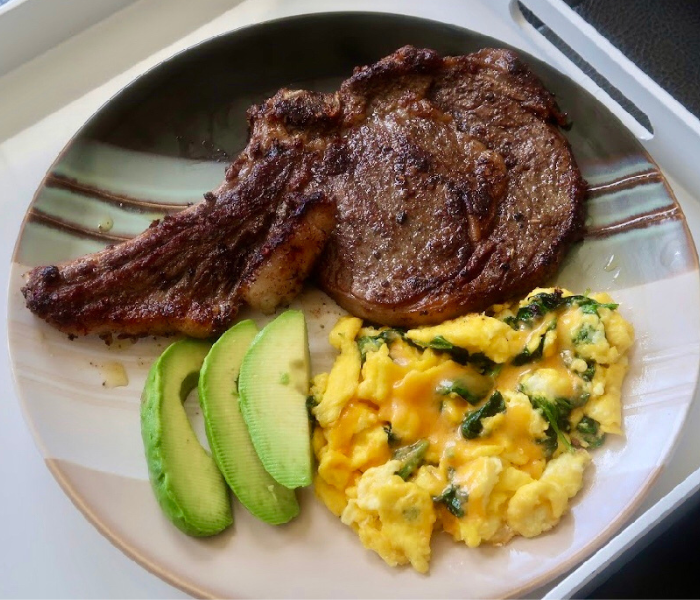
(228, 435)
(188, 485)
(273, 386)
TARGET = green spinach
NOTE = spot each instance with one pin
(472, 425)
(588, 430)
(589, 373)
(454, 498)
(461, 390)
(545, 302)
(372, 343)
(411, 457)
(584, 335)
(311, 403)
(391, 437)
(482, 363)
(556, 413)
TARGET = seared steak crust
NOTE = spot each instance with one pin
(190, 272)
(459, 190)
(453, 187)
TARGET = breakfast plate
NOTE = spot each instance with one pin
(165, 140)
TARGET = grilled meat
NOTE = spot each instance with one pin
(453, 186)
(191, 272)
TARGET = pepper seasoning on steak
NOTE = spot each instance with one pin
(425, 188)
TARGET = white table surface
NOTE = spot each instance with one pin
(47, 548)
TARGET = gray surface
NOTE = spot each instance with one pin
(661, 36)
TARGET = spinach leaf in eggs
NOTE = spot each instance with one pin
(411, 457)
(545, 302)
(453, 498)
(472, 425)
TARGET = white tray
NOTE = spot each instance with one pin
(33, 132)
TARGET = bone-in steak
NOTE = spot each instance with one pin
(453, 186)
(192, 272)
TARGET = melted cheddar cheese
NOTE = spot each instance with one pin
(478, 426)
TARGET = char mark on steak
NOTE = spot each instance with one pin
(438, 186)
(460, 191)
(191, 272)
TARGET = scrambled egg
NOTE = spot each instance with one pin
(478, 426)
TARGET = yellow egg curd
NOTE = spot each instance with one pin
(478, 426)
